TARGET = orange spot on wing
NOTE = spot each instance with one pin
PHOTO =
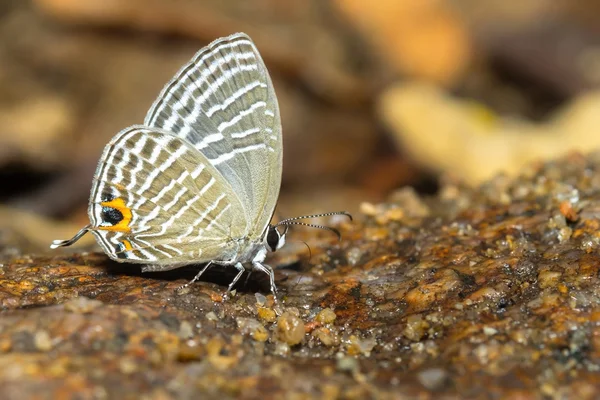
(123, 225)
(127, 244)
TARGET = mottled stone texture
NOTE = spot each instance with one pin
(476, 293)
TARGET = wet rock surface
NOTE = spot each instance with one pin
(474, 293)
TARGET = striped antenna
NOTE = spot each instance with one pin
(294, 221)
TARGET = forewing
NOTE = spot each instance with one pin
(158, 200)
(223, 103)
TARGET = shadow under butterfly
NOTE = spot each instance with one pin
(198, 182)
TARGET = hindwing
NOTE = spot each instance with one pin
(156, 199)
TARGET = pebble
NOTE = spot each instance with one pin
(290, 329)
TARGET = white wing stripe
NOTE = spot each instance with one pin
(227, 156)
(155, 153)
(163, 191)
(183, 177)
(207, 186)
(176, 198)
(201, 218)
(170, 221)
(175, 249)
(245, 133)
(137, 149)
(210, 225)
(208, 139)
(152, 176)
(230, 100)
(153, 214)
(196, 172)
(241, 115)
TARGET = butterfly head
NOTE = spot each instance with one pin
(275, 239)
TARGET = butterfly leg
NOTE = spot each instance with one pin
(198, 275)
(269, 271)
(238, 266)
(247, 278)
(241, 270)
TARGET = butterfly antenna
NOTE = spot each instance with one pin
(285, 221)
(327, 228)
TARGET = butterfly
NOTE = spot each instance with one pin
(199, 180)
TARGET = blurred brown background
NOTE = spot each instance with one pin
(374, 95)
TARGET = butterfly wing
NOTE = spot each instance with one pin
(223, 103)
(156, 199)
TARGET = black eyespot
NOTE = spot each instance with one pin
(273, 237)
(111, 215)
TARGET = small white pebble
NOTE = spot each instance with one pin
(211, 316)
(432, 378)
(489, 331)
(260, 299)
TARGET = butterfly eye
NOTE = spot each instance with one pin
(273, 237)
